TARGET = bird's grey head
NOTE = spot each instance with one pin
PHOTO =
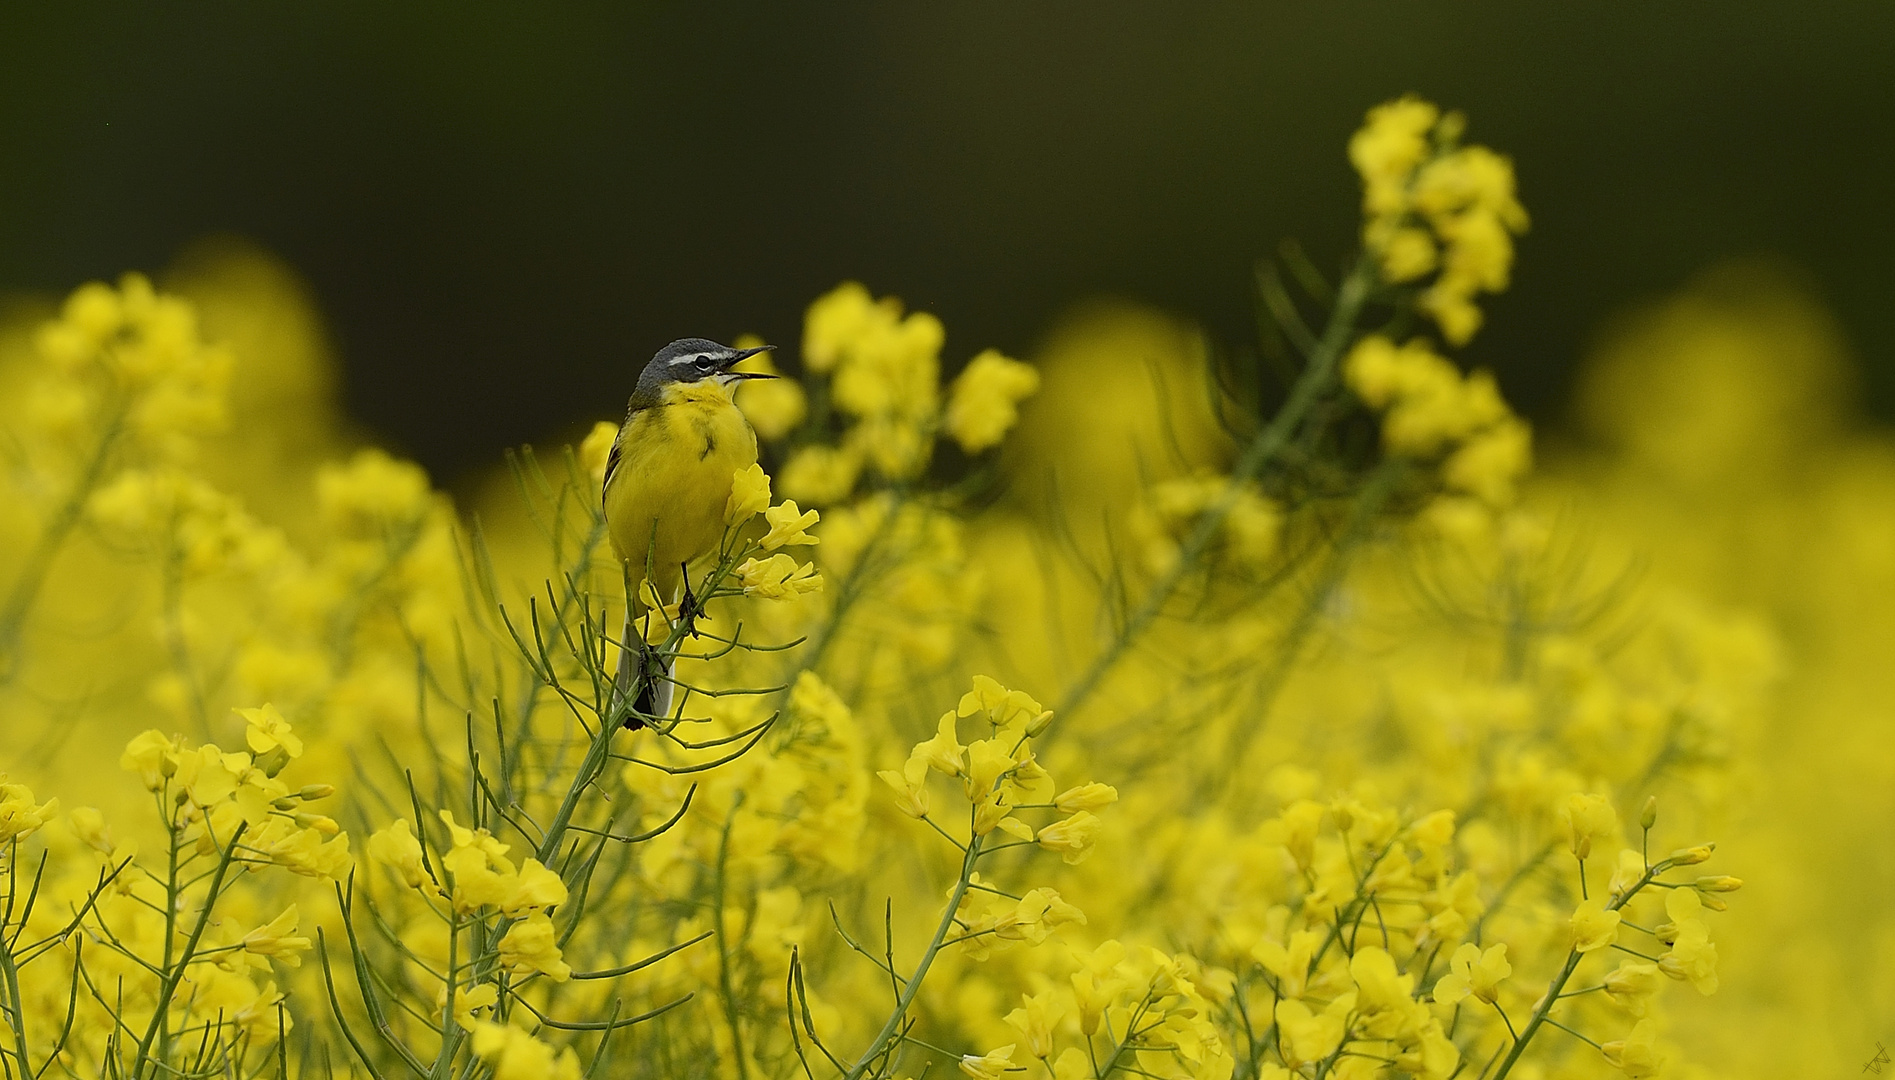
(689, 360)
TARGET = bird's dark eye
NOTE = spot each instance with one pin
(705, 364)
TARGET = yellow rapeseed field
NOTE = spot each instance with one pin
(1143, 711)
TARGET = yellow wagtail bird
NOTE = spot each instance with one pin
(666, 483)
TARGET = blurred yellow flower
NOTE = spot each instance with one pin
(1429, 203)
(88, 824)
(1587, 817)
(1379, 986)
(1309, 1036)
(821, 475)
(1388, 147)
(595, 450)
(774, 406)
(1350, 696)
(984, 403)
(1036, 1020)
(513, 1054)
(1491, 463)
(833, 322)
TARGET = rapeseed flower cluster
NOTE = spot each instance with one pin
(1319, 749)
(1434, 207)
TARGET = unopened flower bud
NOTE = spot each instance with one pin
(319, 822)
(1719, 883)
(1691, 856)
(273, 762)
(1632, 980)
(286, 804)
(1093, 797)
(1039, 724)
(312, 792)
(1449, 130)
(1649, 816)
(1714, 902)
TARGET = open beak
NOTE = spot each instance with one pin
(742, 355)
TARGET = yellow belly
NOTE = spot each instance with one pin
(664, 505)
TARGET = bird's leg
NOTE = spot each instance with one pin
(689, 610)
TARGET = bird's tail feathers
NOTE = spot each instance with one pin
(640, 664)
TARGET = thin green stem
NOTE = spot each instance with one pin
(851, 588)
(1574, 1034)
(1124, 1043)
(39, 562)
(15, 1006)
(444, 1061)
(589, 769)
(1362, 515)
(1559, 981)
(1520, 874)
(1507, 1020)
(170, 923)
(171, 583)
(725, 983)
(175, 973)
(597, 754)
(1316, 380)
(912, 986)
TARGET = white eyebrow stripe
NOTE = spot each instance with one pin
(685, 360)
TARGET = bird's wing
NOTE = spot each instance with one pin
(612, 463)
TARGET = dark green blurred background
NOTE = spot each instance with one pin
(504, 209)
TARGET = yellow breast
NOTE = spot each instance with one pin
(664, 502)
